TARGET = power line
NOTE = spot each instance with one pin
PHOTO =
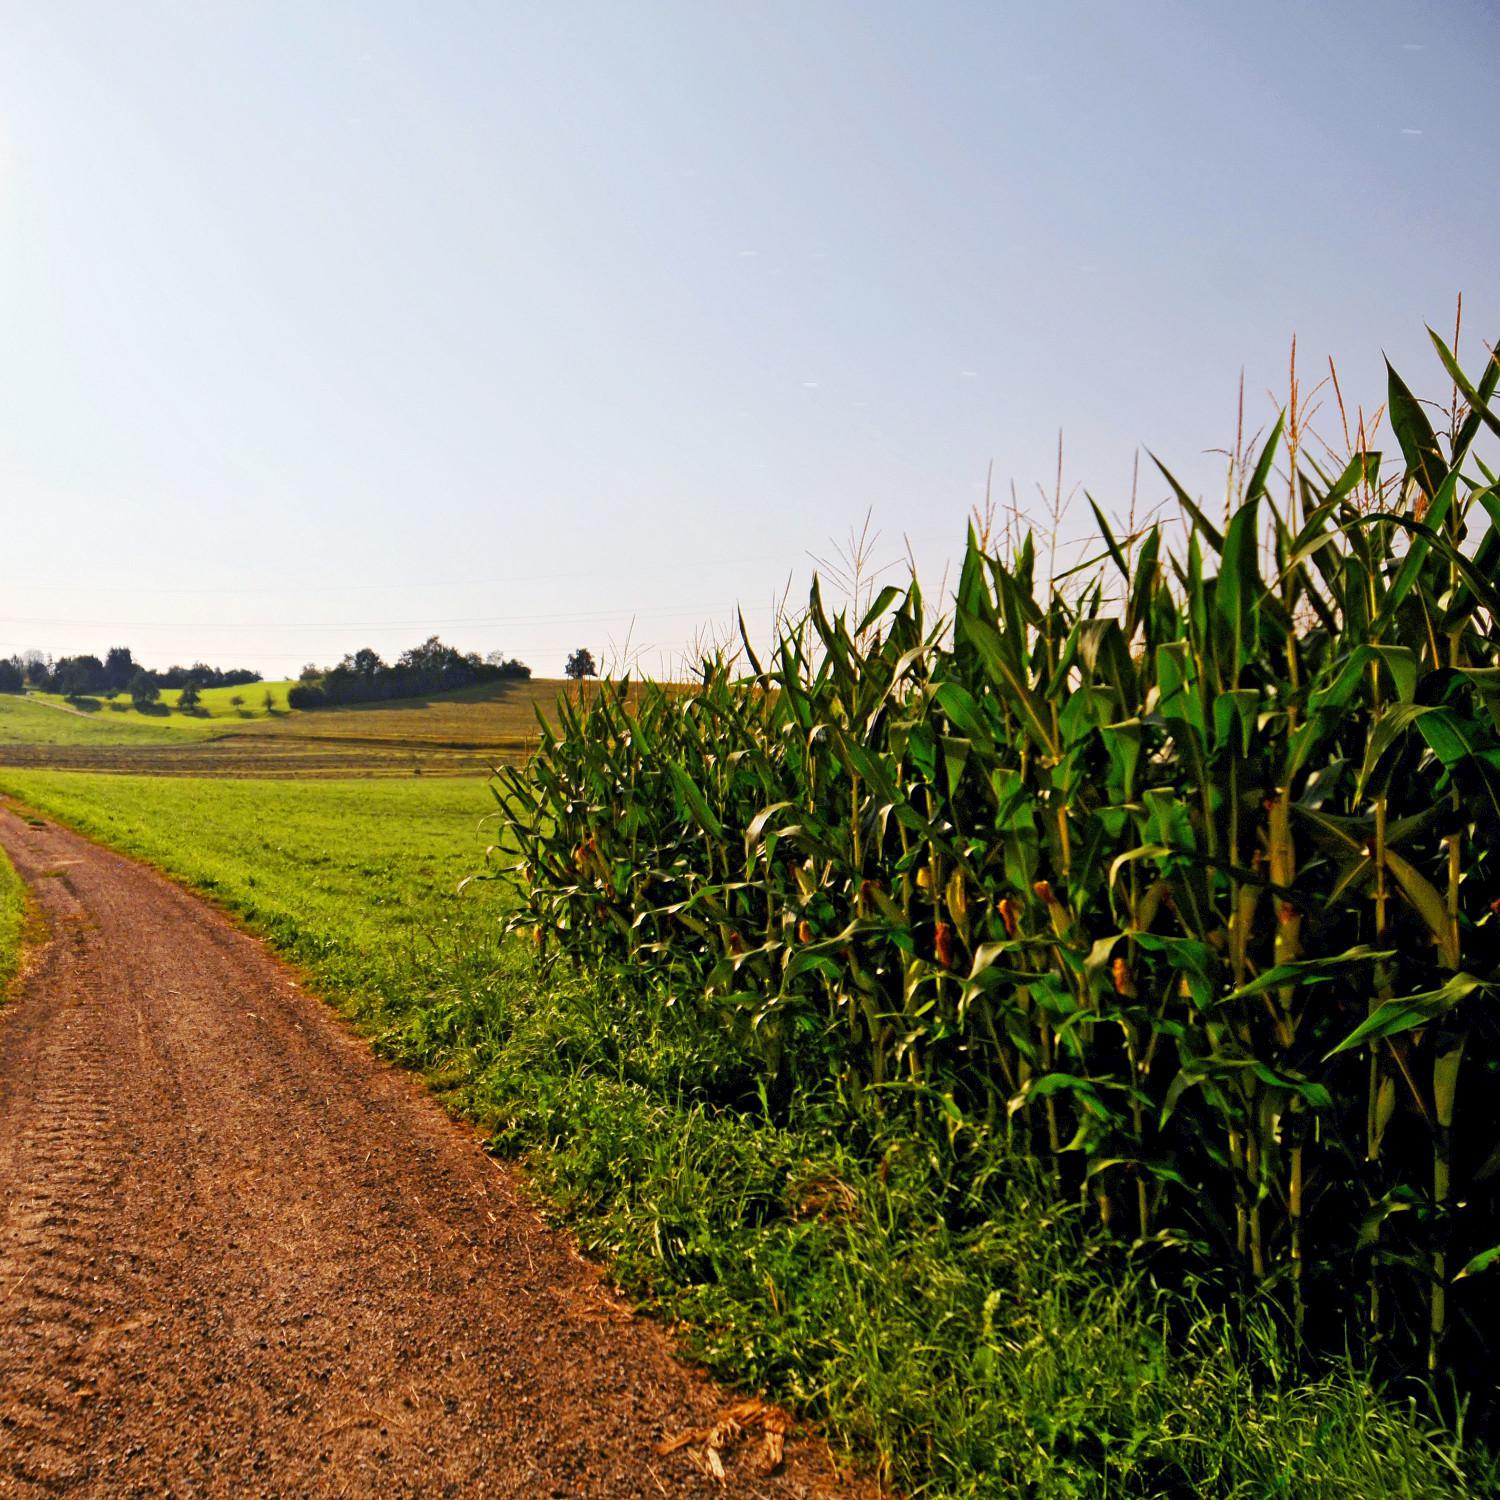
(427, 622)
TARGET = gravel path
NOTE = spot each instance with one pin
(240, 1256)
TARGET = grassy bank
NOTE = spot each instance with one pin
(38, 720)
(231, 704)
(12, 920)
(974, 1341)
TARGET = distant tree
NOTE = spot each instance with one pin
(236, 701)
(143, 689)
(306, 695)
(365, 663)
(12, 677)
(581, 665)
(77, 676)
(431, 667)
(119, 667)
(431, 658)
(190, 697)
(269, 701)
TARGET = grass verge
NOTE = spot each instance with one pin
(12, 921)
(975, 1343)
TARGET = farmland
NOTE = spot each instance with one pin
(214, 703)
(461, 733)
(1043, 1040)
(38, 719)
(1178, 883)
(367, 867)
(839, 1268)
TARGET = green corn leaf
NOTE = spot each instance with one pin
(883, 601)
(1257, 485)
(1410, 1012)
(1211, 532)
(1417, 554)
(1401, 662)
(1414, 432)
(1237, 707)
(1481, 1262)
(1112, 546)
(756, 830)
(1362, 469)
(692, 794)
(1308, 969)
(1424, 896)
(1478, 400)
(1394, 723)
(963, 712)
(1155, 1167)
(1143, 589)
(999, 659)
(1084, 1090)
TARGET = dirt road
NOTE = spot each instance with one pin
(239, 1256)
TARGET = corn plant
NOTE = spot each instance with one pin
(1185, 882)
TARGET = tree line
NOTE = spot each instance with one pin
(119, 672)
(432, 667)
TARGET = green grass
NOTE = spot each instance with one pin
(214, 703)
(975, 1340)
(12, 920)
(40, 719)
(461, 733)
(358, 879)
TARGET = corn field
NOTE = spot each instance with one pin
(1182, 878)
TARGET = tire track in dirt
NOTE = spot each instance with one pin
(240, 1256)
(64, 1276)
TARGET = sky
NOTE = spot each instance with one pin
(325, 325)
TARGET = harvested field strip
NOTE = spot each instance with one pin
(290, 759)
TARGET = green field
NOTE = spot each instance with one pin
(973, 1342)
(40, 719)
(12, 920)
(369, 869)
(461, 733)
(214, 703)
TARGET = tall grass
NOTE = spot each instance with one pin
(1184, 880)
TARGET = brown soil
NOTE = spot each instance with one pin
(239, 1256)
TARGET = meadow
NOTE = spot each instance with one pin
(214, 703)
(969, 1336)
(463, 733)
(42, 719)
(367, 870)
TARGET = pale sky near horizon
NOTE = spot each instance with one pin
(341, 324)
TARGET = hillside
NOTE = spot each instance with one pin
(460, 733)
(214, 704)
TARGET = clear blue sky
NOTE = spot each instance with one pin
(325, 325)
